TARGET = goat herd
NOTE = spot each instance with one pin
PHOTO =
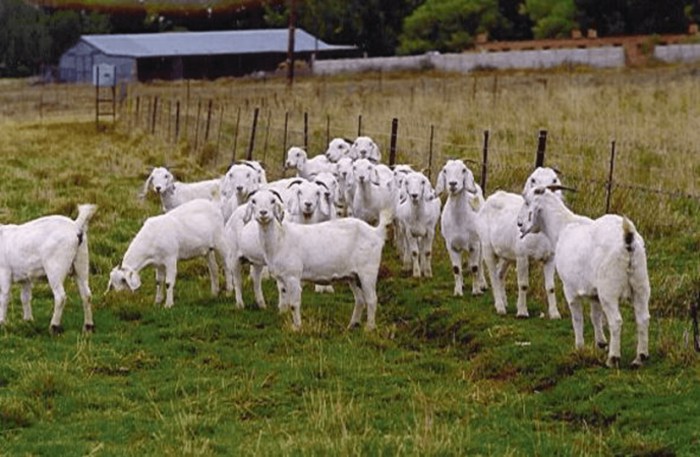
(330, 223)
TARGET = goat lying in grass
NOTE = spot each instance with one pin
(49, 246)
(340, 249)
(602, 259)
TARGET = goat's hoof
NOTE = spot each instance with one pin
(638, 362)
(501, 311)
(262, 305)
(613, 362)
(477, 293)
(56, 329)
(353, 325)
(556, 316)
(522, 316)
(602, 344)
(89, 328)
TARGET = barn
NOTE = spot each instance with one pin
(191, 55)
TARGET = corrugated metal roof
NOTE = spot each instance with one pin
(207, 43)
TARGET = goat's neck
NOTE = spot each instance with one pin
(167, 198)
(271, 237)
(460, 203)
(555, 217)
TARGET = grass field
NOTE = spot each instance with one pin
(441, 375)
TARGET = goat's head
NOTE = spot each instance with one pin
(455, 177)
(308, 196)
(337, 149)
(530, 218)
(343, 170)
(365, 148)
(542, 177)
(417, 187)
(296, 157)
(365, 172)
(240, 180)
(121, 278)
(266, 205)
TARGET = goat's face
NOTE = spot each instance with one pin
(529, 216)
(365, 148)
(337, 149)
(542, 177)
(266, 205)
(344, 170)
(308, 198)
(240, 180)
(455, 177)
(124, 278)
(296, 157)
(417, 187)
(364, 171)
(161, 180)
(329, 185)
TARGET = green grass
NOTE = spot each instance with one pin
(441, 375)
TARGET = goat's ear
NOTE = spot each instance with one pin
(143, 193)
(375, 176)
(248, 214)
(428, 193)
(133, 280)
(278, 210)
(440, 182)
(469, 184)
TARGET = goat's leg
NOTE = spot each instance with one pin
(293, 286)
(213, 272)
(415, 255)
(369, 291)
(597, 317)
(427, 251)
(4, 298)
(237, 277)
(81, 281)
(523, 268)
(59, 301)
(456, 261)
(160, 280)
(549, 270)
(493, 266)
(479, 284)
(360, 304)
(576, 308)
(256, 275)
(170, 275)
(640, 301)
(611, 309)
(27, 301)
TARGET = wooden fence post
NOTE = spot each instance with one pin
(251, 145)
(206, 130)
(284, 139)
(392, 145)
(485, 161)
(430, 151)
(177, 121)
(541, 147)
(359, 125)
(196, 124)
(609, 184)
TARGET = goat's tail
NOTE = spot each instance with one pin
(85, 213)
(386, 217)
(628, 233)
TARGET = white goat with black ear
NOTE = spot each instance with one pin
(602, 259)
(341, 249)
(49, 246)
(458, 222)
(193, 229)
(307, 168)
(502, 245)
(337, 149)
(417, 216)
(375, 190)
(364, 147)
(174, 193)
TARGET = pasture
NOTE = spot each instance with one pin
(441, 375)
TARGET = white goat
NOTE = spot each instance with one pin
(174, 193)
(337, 149)
(345, 248)
(365, 148)
(49, 246)
(417, 215)
(346, 185)
(502, 245)
(239, 181)
(306, 168)
(602, 259)
(375, 190)
(193, 229)
(309, 203)
(458, 222)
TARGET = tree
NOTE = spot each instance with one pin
(552, 18)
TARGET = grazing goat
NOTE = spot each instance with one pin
(193, 229)
(174, 193)
(307, 168)
(341, 249)
(458, 222)
(417, 216)
(502, 245)
(602, 259)
(49, 246)
(365, 148)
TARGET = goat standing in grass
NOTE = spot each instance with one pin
(174, 193)
(602, 259)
